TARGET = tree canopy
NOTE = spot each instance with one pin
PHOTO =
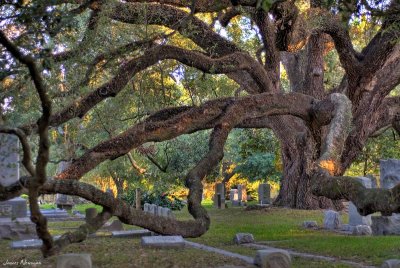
(102, 78)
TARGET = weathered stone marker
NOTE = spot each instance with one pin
(393, 263)
(234, 197)
(131, 233)
(389, 177)
(243, 238)
(9, 159)
(242, 195)
(219, 190)
(163, 241)
(14, 222)
(264, 194)
(354, 217)
(332, 220)
(272, 258)
(73, 260)
(138, 199)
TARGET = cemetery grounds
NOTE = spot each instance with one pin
(276, 227)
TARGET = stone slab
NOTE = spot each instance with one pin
(29, 243)
(163, 241)
(9, 159)
(389, 173)
(74, 260)
(393, 263)
(273, 258)
(264, 194)
(131, 233)
(332, 220)
(354, 217)
(242, 238)
(13, 208)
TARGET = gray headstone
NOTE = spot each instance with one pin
(347, 228)
(164, 212)
(389, 173)
(332, 220)
(362, 230)
(13, 208)
(393, 263)
(146, 207)
(219, 189)
(74, 260)
(272, 258)
(243, 238)
(170, 214)
(383, 225)
(21, 228)
(159, 211)
(242, 196)
(354, 217)
(131, 233)
(310, 224)
(234, 197)
(163, 241)
(264, 194)
(153, 209)
(9, 159)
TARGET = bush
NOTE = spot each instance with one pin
(157, 198)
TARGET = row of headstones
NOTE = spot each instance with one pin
(158, 210)
(238, 197)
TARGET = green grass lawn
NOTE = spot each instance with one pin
(277, 227)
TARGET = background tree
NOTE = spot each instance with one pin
(140, 70)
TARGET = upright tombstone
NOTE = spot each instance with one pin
(234, 197)
(354, 217)
(64, 201)
(13, 213)
(242, 195)
(264, 194)
(389, 177)
(219, 196)
(138, 199)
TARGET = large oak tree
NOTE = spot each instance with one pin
(321, 129)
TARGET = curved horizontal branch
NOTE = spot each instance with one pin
(189, 120)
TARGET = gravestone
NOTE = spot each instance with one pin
(73, 260)
(242, 195)
(9, 160)
(389, 173)
(219, 196)
(243, 238)
(362, 230)
(332, 220)
(131, 233)
(264, 194)
(310, 224)
(234, 197)
(389, 177)
(273, 258)
(354, 217)
(392, 263)
(374, 181)
(146, 207)
(64, 201)
(14, 222)
(138, 199)
(163, 242)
